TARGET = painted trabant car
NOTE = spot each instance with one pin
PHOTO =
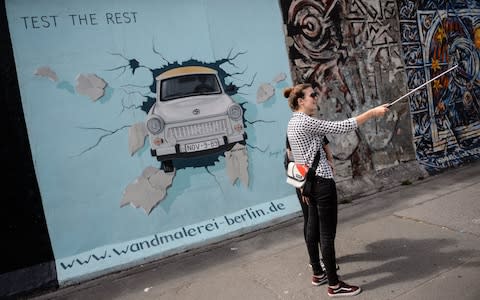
(192, 115)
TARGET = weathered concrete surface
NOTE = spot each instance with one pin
(376, 181)
(420, 241)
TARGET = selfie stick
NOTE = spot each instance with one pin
(417, 88)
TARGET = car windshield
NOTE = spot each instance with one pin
(189, 85)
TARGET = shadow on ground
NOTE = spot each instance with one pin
(423, 257)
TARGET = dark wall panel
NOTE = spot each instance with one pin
(27, 259)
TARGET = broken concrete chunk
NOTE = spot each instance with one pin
(148, 190)
(149, 171)
(237, 164)
(46, 72)
(280, 77)
(90, 85)
(136, 137)
(265, 92)
(161, 180)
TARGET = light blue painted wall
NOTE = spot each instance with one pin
(81, 191)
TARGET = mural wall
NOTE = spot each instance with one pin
(351, 50)
(366, 52)
(154, 126)
(157, 127)
(438, 35)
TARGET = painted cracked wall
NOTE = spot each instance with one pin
(365, 53)
(87, 76)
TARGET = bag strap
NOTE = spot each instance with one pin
(315, 162)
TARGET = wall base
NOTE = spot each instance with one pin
(26, 281)
(371, 183)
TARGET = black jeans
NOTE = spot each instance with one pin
(313, 252)
(304, 212)
(322, 227)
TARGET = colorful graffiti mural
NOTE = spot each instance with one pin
(351, 51)
(364, 53)
(436, 35)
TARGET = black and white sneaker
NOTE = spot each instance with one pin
(344, 290)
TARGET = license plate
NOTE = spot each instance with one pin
(210, 144)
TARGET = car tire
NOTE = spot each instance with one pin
(167, 166)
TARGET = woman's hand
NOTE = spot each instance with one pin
(305, 199)
(379, 111)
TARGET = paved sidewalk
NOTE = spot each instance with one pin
(420, 241)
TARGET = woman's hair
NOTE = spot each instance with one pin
(295, 92)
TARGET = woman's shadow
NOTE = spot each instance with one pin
(404, 260)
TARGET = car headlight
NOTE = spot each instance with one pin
(155, 125)
(235, 112)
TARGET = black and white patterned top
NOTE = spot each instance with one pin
(306, 137)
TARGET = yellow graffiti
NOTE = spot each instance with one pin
(435, 64)
(476, 37)
(440, 36)
(437, 85)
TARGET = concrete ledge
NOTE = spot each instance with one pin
(402, 174)
(27, 280)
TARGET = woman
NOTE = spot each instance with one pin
(305, 135)
(316, 279)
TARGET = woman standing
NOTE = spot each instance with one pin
(305, 135)
(314, 251)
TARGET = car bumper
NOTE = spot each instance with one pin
(179, 150)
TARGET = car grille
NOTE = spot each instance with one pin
(199, 129)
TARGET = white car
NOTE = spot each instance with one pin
(192, 116)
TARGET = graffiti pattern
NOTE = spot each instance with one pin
(435, 36)
(351, 51)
